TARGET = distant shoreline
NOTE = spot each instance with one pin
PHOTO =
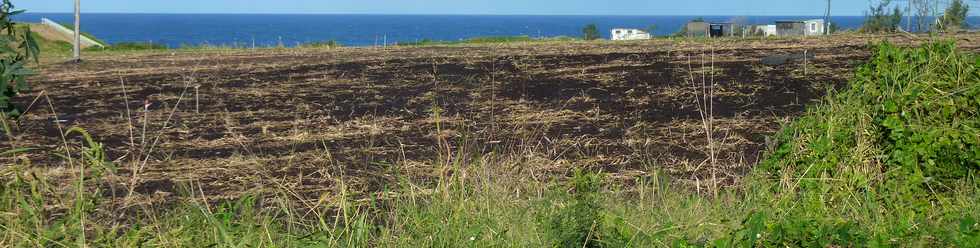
(265, 30)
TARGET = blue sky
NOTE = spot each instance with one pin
(542, 7)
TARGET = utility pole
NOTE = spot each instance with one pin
(826, 21)
(78, 31)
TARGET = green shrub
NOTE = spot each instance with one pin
(927, 105)
(19, 47)
(900, 146)
(590, 32)
(581, 221)
(917, 106)
(801, 230)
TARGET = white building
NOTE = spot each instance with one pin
(630, 34)
(765, 30)
(814, 27)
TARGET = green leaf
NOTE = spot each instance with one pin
(16, 151)
(890, 106)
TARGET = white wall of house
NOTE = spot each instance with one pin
(630, 34)
(768, 30)
(814, 27)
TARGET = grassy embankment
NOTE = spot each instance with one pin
(892, 160)
(84, 34)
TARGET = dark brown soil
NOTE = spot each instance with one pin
(237, 122)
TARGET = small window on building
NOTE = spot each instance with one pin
(813, 27)
(629, 32)
(619, 31)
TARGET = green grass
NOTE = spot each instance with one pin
(50, 48)
(129, 46)
(890, 161)
(86, 35)
(321, 44)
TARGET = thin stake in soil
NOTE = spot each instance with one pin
(493, 91)
(129, 115)
(804, 62)
(197, 99)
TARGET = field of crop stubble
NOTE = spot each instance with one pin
(233, 123)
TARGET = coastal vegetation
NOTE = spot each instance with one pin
(878, 19)
(919, 14)
(130, 46)
(322, 44)
(590, 32)
(954, 17)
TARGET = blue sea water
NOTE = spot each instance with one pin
(175, 30)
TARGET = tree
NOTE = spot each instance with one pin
(17, 49)
(955, 16)
(590, 32)
(896, 19)
(923, 10)
(878, 20)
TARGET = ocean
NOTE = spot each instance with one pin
(175, 30)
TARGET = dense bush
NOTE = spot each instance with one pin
(904, 138)
(920, 108)
(927, 102)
